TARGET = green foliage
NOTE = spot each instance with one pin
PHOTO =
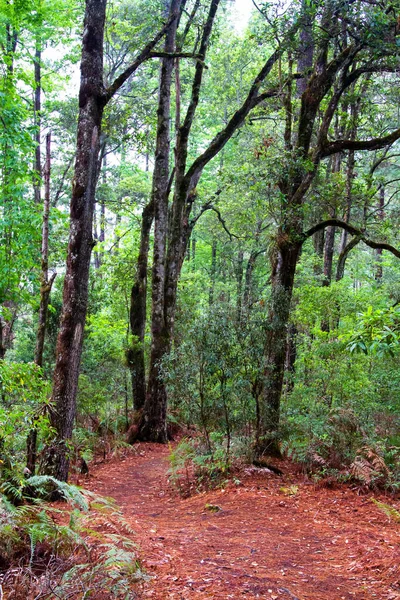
(87, 554)
(377, 332)
(388, 510)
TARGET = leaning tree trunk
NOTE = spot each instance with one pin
(283, 272)
(75, 294)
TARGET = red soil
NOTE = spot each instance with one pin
(319, 544)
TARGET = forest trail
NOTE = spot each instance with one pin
(319, 544)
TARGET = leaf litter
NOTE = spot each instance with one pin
(313, 543)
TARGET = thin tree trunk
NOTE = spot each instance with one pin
(343, 257)
(239, 278)
(193, 252)
(166, 272)
(328, 254)
(381, 216)
(2, 346)
(291, 355)
(212, 272)
(102, 236)
(45, 282)
(349, 197)
(37, 119)
(319, 244)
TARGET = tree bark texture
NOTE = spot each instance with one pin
(166, 272)
(45, 290)
(45, 282)
(153, 424)
(381, 216)
(37, 119)
(283, 272)
(239, 279)
(137, 312)
(213, 272)
(75, 293)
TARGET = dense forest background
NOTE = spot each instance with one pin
(227, 259)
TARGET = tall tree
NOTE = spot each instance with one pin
(93, 97)
(331, 76)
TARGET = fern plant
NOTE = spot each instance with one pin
(82, 556)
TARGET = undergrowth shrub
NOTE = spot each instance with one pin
(197, 464)
(50, 552)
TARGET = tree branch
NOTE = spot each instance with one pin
(237, 119)
(161, 54)
(144, 55)
(373, 144)
(222, 221)
(353, 231)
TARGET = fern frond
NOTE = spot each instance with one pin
(43, 484)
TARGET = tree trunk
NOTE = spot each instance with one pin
(328, 254)
(212, 272)
(45, 290)
(343, 257)
(193, 252)
(75, 294)
(283, 272)
(291, 355)
(45, 282)
(153, 424)
(349, 197)
(239, 278)
(37, 119)
(381, 216)
(319, 244)
(138, 312)
(2, 346)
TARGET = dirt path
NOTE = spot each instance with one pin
(316, 544)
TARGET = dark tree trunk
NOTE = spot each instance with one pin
(248, 281)
(283, 272)
(328, 254)
(2, 346)
(349, 197)
(166, 269)
(343, 257)
(31, 450)
(212, 272)
(138, 312)
(153, 424)
(70, 338)
(291, 355)
(45, 290)
(239, 278)
(45, 282)
(37, 118)
(381, 216)
(319, 244)
(306, 48)
(193, 252)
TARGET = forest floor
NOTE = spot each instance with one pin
(272, 537)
